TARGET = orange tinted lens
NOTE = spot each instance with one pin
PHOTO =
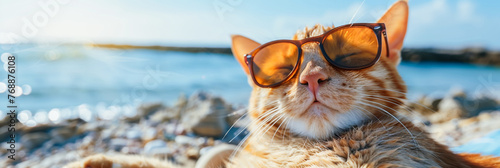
(274, 63)
(352, 47)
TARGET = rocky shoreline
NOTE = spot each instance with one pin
(185, 131)
(468, 55)
(472, 55)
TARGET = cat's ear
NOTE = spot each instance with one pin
(240, 46)
(396, 21)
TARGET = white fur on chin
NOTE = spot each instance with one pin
(315, 127)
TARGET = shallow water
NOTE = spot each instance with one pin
(487, 145)
(66, 76)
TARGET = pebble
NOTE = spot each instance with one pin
(154, 144)
(134, 133)
(184, 140)
(193, 153)
(117, 144)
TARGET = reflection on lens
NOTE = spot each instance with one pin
(274, 63)
(352, 47)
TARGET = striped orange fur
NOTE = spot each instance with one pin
(356, 122)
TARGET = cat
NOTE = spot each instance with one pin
(328, 117)
(331, 117)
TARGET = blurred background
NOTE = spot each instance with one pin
(101, 60)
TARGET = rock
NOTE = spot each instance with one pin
(184, 140)
(131, 150)
(38, 128)
(144, 111)
(91, 127)
(467, 55)
(59, 135)
(468, 121)
(150, 147)
(173, 113)
(134, 133)
(149, 134)
(88, 140)
(34, 140)
(205, 115)
(450, 108)
(423, 106)
(193, 153)
(117, 144)
(458, 105)
(479, 104)
(147, 109)
(162, 152)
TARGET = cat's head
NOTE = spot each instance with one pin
(320, 100)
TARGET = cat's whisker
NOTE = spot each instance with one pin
(256, 132)
(239, 145)
(267, 118)
(254, 121)
(259, 125)
(305, 142)
(282, 122)
(386, 89)
(389, 100)
(242, 116)
(367, 112)
(382, 99)
(270, 125)
(394, 117)
(404, 105)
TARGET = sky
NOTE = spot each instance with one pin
(209, 23)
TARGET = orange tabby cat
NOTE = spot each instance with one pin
(325, 116)
(332, 117)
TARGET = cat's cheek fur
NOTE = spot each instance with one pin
(315, 127)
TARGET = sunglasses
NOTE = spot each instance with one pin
(351, 47)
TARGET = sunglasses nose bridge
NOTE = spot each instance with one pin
(316, 39)
(302, 44)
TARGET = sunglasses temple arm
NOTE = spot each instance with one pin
(386, 43)
(247, 58)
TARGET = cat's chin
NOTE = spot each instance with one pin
(319, 122)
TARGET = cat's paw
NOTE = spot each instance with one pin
(121, 161)
(98, 161)
(94, 161)
(216, 157)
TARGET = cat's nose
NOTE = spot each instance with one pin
(313, 78)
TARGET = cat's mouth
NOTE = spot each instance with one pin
(316, 101)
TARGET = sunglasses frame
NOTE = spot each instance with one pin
(378, 28)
